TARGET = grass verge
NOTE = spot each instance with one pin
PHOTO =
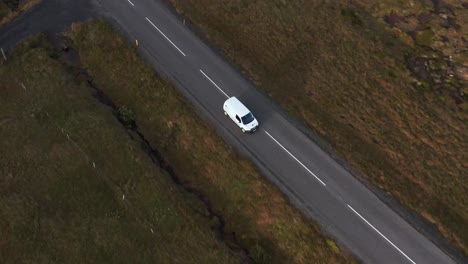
(7, 15)
(343, 74)
(74, 186)
(256, 213)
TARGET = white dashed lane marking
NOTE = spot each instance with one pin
(209, 79)
(287, 151)
(376, 230)
(165, 36)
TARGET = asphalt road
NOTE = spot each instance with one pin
(315, 182)
(49, 17)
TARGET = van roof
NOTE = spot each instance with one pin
(236, 105)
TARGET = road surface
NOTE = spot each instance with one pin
(316, 183)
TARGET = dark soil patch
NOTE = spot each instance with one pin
(12, 4)
(419, 67)
(393, 19)
(452, 21)
(425, 18)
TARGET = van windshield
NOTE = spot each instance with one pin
(247, 118)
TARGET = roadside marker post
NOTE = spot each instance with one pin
(3, 54)
(136, 42)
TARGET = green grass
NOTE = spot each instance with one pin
(332, 244)
(261, 217)
(56, 206)
(424, 38)
(342, 73)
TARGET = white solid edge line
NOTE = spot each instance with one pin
(295, 158)
(165, 36)
(209, 79)
(131, 2)
(388, 240)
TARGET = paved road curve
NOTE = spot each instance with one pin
(315, 182)
(332, 196)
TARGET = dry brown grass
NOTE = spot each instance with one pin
(261, 218)
(343, 74)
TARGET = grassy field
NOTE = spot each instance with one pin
(342, 71)
(75, 188)
(255, 212)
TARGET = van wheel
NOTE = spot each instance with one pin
(243, 130)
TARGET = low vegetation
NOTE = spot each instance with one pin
(256, 214)
(74, 186)
(383, 83)
(4, 10)
(10, 9)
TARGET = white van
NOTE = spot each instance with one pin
(240, 115)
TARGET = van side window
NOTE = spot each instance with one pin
(238, 119)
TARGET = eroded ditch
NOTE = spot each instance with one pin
(70, 58)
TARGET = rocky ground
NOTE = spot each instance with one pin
(437, 31)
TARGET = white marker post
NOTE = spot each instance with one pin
(3, 54)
